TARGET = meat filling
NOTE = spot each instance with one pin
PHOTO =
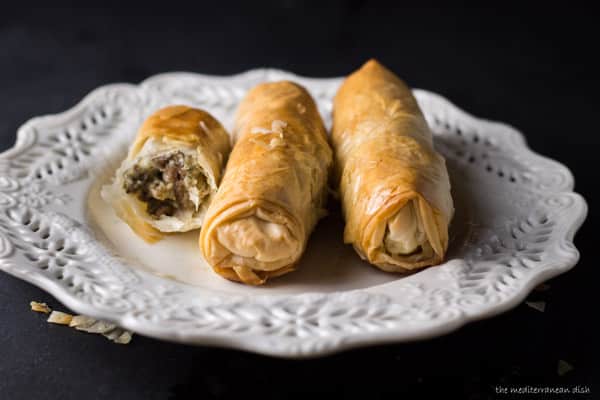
(167, 184)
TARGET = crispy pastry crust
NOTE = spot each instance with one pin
(384, 160)
(278, 173)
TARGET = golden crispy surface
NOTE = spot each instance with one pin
(280, 165)
(384, 159)
(188, 125)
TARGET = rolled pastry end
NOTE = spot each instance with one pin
(404, 234)
(252, 247)
(411, 237)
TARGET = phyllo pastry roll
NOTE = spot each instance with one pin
(274, 187)
(171, 172)
(394, 186)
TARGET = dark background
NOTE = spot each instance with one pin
(530, 67)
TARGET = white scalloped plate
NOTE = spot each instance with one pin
(514, 226)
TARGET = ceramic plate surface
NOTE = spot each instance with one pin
(516, 215)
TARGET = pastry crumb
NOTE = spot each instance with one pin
(98, 327)
(59, 317)
(84, 323)
(537, 305)
(119, 336)
(124, 338)
(40, 307)
(564, 367)
(81, 322)
(106, 329)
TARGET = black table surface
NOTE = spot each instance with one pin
(529, 67)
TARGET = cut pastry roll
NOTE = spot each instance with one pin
(274, 187)
(394, 186)
(171, 172)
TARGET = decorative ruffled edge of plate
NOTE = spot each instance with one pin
(294, 326)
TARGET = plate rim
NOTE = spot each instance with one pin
(249, 343)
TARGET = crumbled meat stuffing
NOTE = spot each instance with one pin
(168, 183)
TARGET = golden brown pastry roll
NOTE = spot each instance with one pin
(394, 186)
(274, 187)
(171, 172)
